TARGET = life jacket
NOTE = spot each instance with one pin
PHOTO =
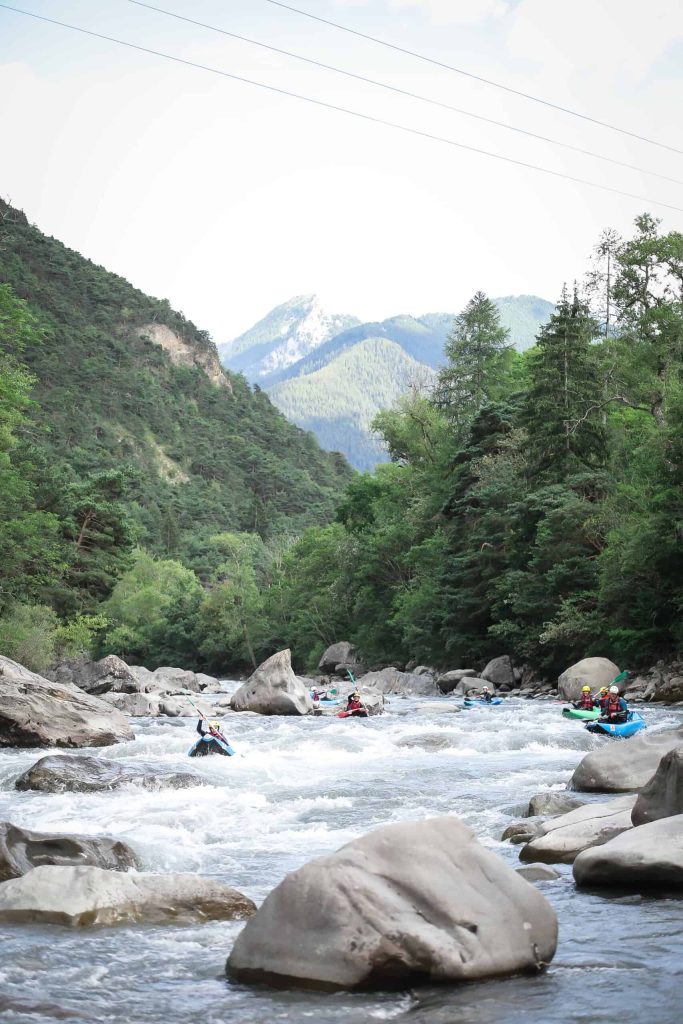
(354, 705)
(613, 704)
(585, 701)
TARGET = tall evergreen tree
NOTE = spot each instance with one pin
(562, 408)
(475, 351)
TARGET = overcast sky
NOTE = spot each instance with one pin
(228, 199)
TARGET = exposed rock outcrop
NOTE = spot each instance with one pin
(82, 896)
(338, 658)
(593, 672)
(21, 851)
(624, 767)
(500, 672)
(564, 837)
(273, 689)
(662, 797)
(182, 353)
(79, 773)
(419, 901)
(391, 680)
(35, 712)
(448, 681)
(647, 857)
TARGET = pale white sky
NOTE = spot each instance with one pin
(228, 200)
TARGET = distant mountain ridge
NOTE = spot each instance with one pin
(296, 341)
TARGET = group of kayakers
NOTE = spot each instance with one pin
(612, 706)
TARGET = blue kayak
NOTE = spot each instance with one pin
(633, 724)
(471, 702)
(210, 745)
(325, 703)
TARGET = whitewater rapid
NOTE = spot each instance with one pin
(303, 787)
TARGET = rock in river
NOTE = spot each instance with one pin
(21, 850)
(593, 672)
(414, 902)
(647, 857)
(623, 766)
(563, 838)
(391, 680)
(79, 896)
(662, 797)
(78, 773)
(273, 689)
(35, 712)
(550, 803)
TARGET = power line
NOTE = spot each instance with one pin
(405, 92)
(470, 74)
(341, 110)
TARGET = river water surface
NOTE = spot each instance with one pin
(301, 788)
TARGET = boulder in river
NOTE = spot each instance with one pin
(391, 680)
(35, 712)
(79, 773)
(662, 797)
(563, 838)
(550, 803)
(647, 857)
(95, 677)
(521, 832)
(81, 896)
(593, 672)
(624, 766)
(447, 681)
(273, 689)
(21, 850)
(538, 873)
(413, 902)
(500, 672)
(338, 657)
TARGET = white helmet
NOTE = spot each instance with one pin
(614, 689)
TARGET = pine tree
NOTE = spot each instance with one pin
(475, 350)
(563, 403)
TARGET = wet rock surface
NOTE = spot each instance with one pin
(84, 774)
(564, 837)
(647, 857)
(273, 689)
(624, 766)
(22, 850)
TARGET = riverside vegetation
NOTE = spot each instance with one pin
(157, 507)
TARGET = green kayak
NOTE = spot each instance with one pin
(585, 716)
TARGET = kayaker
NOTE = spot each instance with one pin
(214, 727)
(354, 703)
(601, 699)
(615, 708)
(486, 694)
(585, 701)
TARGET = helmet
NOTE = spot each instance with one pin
(215, 724)
(355, 694)
(603, 689)
(585, 689)
(614, 689)
(484, 689)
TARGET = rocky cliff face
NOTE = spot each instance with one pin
(182, 353)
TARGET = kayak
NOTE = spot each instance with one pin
(210, 745)
(352, 714)
(325, 703)
(633, 724)
(471, 702)
(581, 713)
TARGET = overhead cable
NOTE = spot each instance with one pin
(470, 74)
(341, 110)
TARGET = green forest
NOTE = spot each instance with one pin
(533, 504)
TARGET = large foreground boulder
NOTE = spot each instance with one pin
(414, 902)
(648, 857)
(500, 672)
(662, 797)
(593, 672)
(72, 773)
(624, 766)
(563, 838)
(35, 712)
(273, 689)
(21, 850)
(79, 896)
(406, 684)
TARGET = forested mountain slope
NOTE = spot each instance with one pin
(124, 381)
(339, 401)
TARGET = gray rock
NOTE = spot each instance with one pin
(548, 804)
(273, 689)
(670, 689)
(624, 766)
(417, 901)
(390, 680)
(438, 707)
(563, 838)
(21, 850)
(647, 857)
(472, 685)
(662, 797)
(83, 896)
(208, 684)
(521, 832)
(95, 677)
(593, 672)
(35, 712)
(538, 873)
(341, 653)
(500, 672)
(135, 705)
(448, 681)
(424, 670)
(79, 773)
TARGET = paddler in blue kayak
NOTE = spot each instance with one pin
(614, 708)
(213, 740)
(486, 694)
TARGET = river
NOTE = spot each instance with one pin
(301, 788)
